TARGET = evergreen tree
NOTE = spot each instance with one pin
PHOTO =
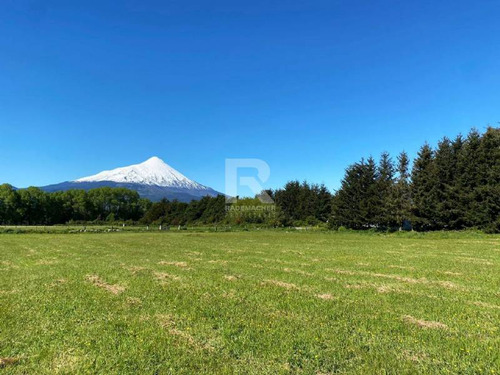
(469, 179)
(371, 203)
(488, 192)
(346, 202)
(356, 204)
(288, 200)
(402, 192)
(423, 188)
(448, 215)
(384, 189)
(323, 207)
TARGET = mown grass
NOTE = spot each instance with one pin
(249, 302)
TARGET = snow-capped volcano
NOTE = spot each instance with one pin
(153, 179)
(153, 171)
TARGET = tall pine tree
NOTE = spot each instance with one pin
(356, 204)
(424, 190)
(402, 193)
(448, 215)
(385, 185)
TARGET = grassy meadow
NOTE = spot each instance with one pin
(257, 302)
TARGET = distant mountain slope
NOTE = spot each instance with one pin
(152, 179)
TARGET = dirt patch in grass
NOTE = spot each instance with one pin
(230, 278)
(98, 282)
(424, 323)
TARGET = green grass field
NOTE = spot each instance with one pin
(249, 302)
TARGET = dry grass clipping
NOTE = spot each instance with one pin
(282, 284)
(135, 269)
(168, 323)
(452, 273)
(409, 280)
(8, 361)
(98, 282)
(46, 262)
(58, 282)
(134, 301)
(402, 267)
(176, 264)
(341, 272)
(414, 357)
(484, 304)
(300, 272)
(162, 276)
(424, 323)
(218, 261)
(325, 296)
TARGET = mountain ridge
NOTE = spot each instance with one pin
(153, 179)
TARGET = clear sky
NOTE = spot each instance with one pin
(307, 86)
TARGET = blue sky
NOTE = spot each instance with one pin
(307, 86)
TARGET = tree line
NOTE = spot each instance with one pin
(455, 185)
(33, 206)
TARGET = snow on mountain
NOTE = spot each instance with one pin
(153, 171)
(152, 179)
